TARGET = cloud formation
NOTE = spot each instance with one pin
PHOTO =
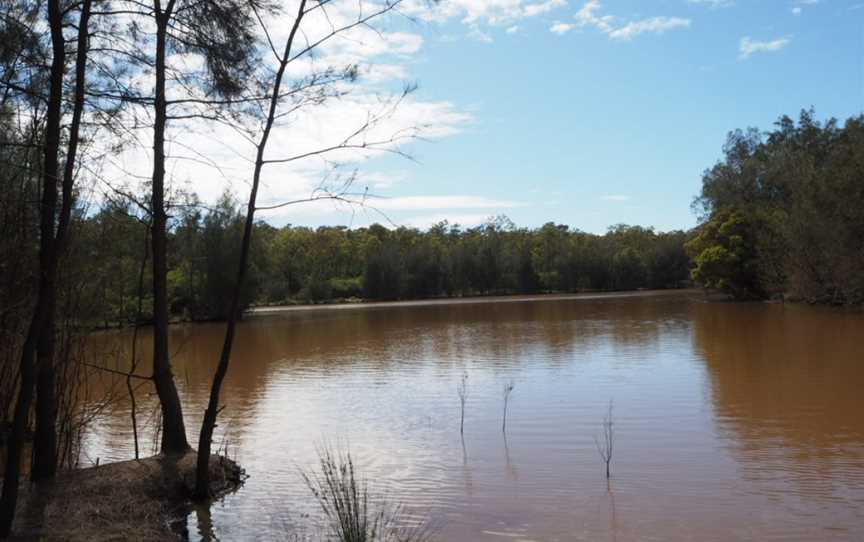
(587, 16)
(748, 46)
(590, 16)
(561, 28)
(208, 158)
(652, 25)
(477, 12)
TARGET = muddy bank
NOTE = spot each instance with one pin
(129, 501)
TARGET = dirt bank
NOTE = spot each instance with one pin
(129, 501)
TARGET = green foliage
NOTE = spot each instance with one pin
(346, 287)
(724, 255)
(292, 264)
(205, 253)
(316, 289)
(109, 247)
(629, 269)
(798, 196)
(19, 225)
(382, 274)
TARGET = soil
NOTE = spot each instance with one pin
(128, 501)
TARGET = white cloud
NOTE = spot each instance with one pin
(590, 16)
(379, 73)
(474, 12)
(587, 17)
(561, 28)
(379, 180)
(208, 158)
(749, 46)
(361, 45)
(543, 7)
(477, 15)
(414, 211)
(653, 25)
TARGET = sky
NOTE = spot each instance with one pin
(588, 114)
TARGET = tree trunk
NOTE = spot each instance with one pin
(173, 427)
(45, 437)
(47, 210)
(45, 441)
(205, 439)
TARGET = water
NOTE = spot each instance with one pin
(733, 421)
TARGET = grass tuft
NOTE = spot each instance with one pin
(344, 499)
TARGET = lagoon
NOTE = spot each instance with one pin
(733, 421)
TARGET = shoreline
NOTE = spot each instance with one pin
(473, 300)
(359, 303)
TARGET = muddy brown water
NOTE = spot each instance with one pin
(733, 421)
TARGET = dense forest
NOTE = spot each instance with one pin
(783, 214)
(299, 264)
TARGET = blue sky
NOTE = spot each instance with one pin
(586, 113)
(586, 130)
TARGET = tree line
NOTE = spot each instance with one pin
(296, 264)
(783, 213)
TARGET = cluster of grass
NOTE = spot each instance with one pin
(350, 514)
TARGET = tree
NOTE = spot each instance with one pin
(45, 441)
(606, 442)
(382, 274)
(219, 31)
(356, 140)
(795, 197)
(724, 255)
(628, 269)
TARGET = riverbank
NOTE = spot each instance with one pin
(261, 310)
(358, 302)
(145, 500)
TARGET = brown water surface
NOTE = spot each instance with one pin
(733, 421)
